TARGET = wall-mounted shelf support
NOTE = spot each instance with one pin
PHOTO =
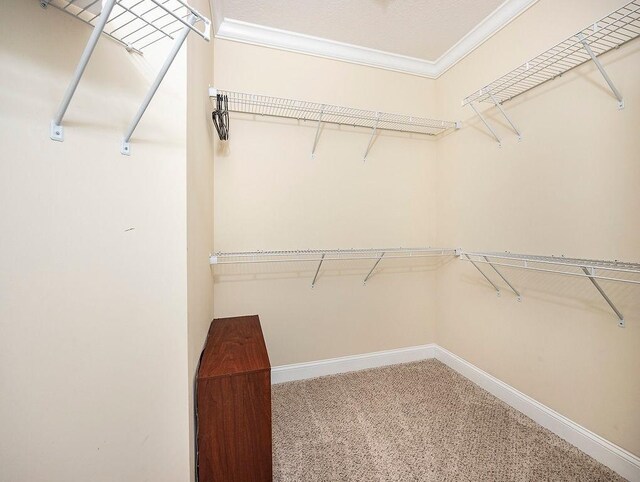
(596, 61)
(484, 121)
(499, 106)
(575, 267)
(57, 131)
(135, 25)
(315, 277)
(318, 130)
(590, 272)
(373, 135)
(366, 278)
(517, 293)
(483, 274)
(177, 44)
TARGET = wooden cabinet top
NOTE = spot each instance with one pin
(234, 346)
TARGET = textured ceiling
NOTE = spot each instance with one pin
(424, 29)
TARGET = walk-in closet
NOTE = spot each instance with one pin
(319, 241)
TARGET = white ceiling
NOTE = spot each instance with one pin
(423, 37)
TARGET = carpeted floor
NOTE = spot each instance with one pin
(415, 422)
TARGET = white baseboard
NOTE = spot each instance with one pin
(616, 458)
(302, 371)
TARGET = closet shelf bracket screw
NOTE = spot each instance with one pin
(57, 132)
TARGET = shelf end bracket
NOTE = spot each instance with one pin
(373, 135)
(484, 121)
(482, 273)
(364, 283)
(56, 131)
(517, 293)
(590, 274)
(318, 130)
(315, 277)
(179, 40)
(499, 106)
(596, 61)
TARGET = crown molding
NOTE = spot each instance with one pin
(217, 14)
(489, 26)
(319, 47)
(230, 29)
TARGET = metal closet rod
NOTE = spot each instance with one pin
(136, 24)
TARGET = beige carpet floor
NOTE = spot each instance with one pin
(414, 422)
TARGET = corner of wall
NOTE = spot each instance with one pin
(200, 154)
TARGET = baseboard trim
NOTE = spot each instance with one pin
(332, 366)
(616, 458)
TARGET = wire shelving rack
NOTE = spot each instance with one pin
(264, 105)
(135, 24)
(321, 255)
(610, 32)
(593, 270)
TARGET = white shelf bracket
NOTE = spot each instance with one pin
(590, 273)
(56, 130)
(499, 106)
(596, 61)
(482, 273)
(315, 277)
(177, 44)
(318, 130)
(373, 135)
(517, 293)
(484, 121)
(364, 283)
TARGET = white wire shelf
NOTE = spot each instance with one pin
(332, 114)
(329, 254)
(318, 113)
(591, 269)
(137, 24)
(612, 31)
(591, 264)
(321, 255)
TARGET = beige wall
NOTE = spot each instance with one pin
(93, 331)
(200, 132)
(270, 194)
(570, 187)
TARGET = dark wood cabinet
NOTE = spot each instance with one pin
(234, 403)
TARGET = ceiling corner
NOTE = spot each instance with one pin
(490, 25)
(245, 32)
